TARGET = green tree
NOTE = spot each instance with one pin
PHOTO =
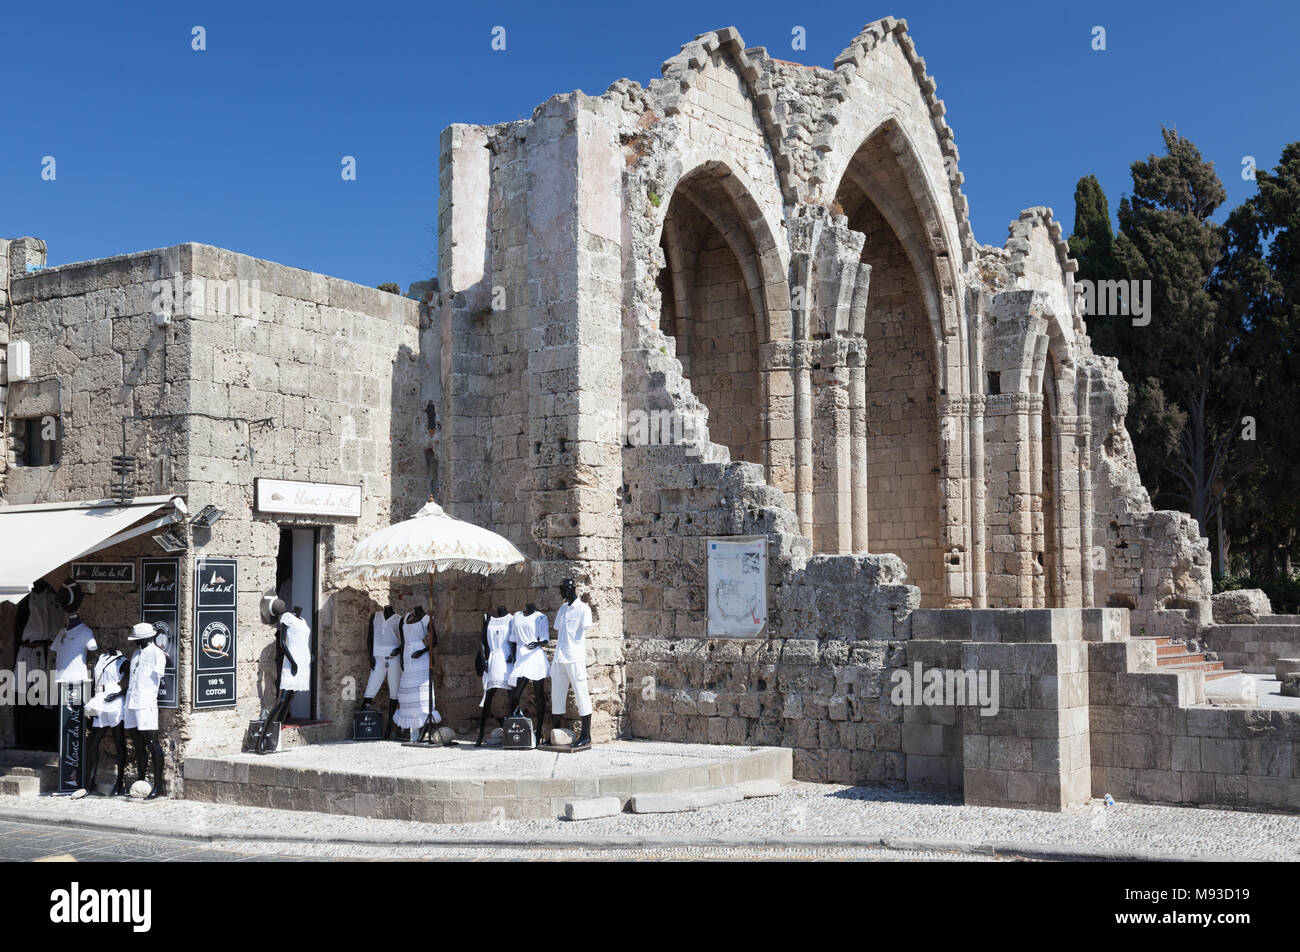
(1188, 373)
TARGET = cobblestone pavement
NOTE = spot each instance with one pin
(805, 816)
(27, 842)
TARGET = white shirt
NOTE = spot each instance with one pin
(387, 639)
(147, 667)
(571, 624)
(70, 647)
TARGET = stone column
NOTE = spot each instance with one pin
(857, 358)
(574, 340)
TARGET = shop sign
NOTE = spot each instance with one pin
(216, 590)
(160, 606)
(292, 497)
(72, 737)
(111, 573)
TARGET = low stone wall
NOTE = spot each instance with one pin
(1254, 648)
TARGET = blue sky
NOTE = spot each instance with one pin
(240, 146)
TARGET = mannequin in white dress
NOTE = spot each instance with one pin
(496, 667)
(294, 639)
(106, 710)
(529, 634)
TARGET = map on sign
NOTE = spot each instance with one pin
(737, 585)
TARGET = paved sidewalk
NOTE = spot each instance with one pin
(804, 817)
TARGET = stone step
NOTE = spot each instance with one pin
(1278, 620)
(1180, 656)
(15, 785)
(1213, 669)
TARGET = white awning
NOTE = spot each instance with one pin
(36, 540)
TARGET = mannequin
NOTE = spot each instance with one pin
(293, 636)
(106, 710)
(148, 664)
(496, 638)
(37, 621)
(70, 647)
(528, 633)
(570, 664)
(384, 645)
(415, 710)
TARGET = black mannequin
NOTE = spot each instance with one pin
(376, 681)
(485, 653)
(430, 725)
(573, 671)
(97, 734)
(283, 654)
(539, 690)
(148, 664)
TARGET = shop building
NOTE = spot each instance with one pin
(224, 378)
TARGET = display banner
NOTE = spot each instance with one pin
(111, 573)
(160, 606)
(737, 586)
(216, 590)
(72, 737)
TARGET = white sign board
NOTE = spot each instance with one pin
(307, 499)
(737, 586)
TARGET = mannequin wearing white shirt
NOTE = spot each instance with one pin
(384, 645)
(569, 668)
(148, 664)
(106, 710)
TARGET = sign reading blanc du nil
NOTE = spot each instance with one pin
(160, 606)
(307, 499)
(216, 591)
(112, 572)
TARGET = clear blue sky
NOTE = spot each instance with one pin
(240, 146)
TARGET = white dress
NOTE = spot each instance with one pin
(147, 667)
(297, 639)
(530, 663)
(414, 695)
(108, 680)
(498, 639)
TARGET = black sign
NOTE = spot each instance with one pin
(160, 606)
(518, 734)
(367, 725)
(216, 588)
(120, 573)
(72, 737)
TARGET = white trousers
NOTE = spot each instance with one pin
(393, 668)
(564, 674)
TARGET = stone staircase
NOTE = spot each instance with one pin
(27, 773)
(1172, 656)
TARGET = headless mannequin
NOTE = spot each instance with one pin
(285, 698)
(97, 735)
(368, 702)
(430, 642)
(569, 592)
(517, 693)
(486, 709)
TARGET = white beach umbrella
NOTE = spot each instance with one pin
(430, 541)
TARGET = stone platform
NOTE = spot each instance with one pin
(465, 784)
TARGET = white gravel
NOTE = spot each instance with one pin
(805, 816)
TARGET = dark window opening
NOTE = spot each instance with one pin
(40, 439)
(995, 383)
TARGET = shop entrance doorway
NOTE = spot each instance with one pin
(296, 583)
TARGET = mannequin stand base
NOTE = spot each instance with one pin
(564, 748)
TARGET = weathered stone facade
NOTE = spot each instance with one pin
(307, 377)
(773, 265)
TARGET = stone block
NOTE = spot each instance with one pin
(662, 802)
(593, 809)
